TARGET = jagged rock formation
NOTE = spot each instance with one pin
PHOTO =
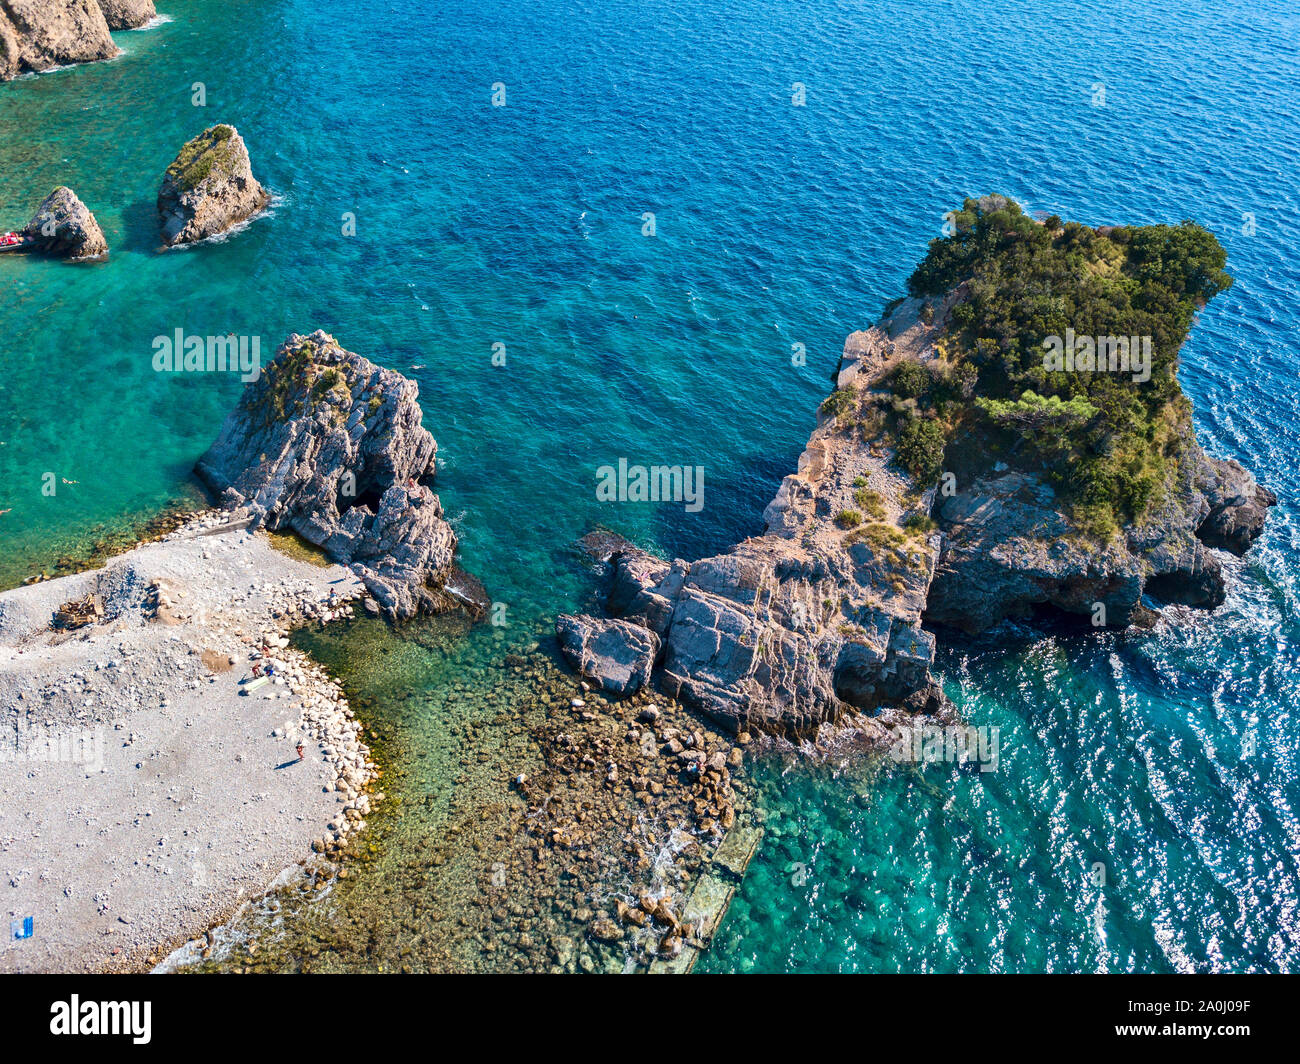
(37, 35)
(330, 445)
(208, 188)
(1008, 548)
(1009, 545)
(903, 509)
(820, 613)
(1237, 506)
(63, 226)
(127, 14)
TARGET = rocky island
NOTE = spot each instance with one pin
(37, 35)
(208, 188)
(64, 227)
(1010, 436)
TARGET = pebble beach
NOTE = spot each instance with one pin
(150, 758)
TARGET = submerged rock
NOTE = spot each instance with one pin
(330, 445)
(63, 226)
(208, 188)
(37, 35)
(127, 14)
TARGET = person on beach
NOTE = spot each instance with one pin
(301, 755)
(257, 670)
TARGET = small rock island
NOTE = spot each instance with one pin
(64, 227)
(1011, 436)
(208, 188)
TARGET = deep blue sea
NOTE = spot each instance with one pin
(1169, 760)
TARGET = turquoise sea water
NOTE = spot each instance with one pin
(776, 225)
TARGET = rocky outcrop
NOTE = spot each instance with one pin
(824, 611)
(1237, 506)
(1010, 548)
(616, 654)
(208, 188)
(127, 14)
(329, 445)
(37, 35)
(64, 227)
(820, 614)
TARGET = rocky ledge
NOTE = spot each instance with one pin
(37, 35)
(331, 446)
(208, 188)
(956, 476)
(63, 226)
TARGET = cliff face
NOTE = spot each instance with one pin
(208, 188)
(127, 14)
(331, 446)
(1009, 547)
(36, 35)
(930, 492)
(1073, 477)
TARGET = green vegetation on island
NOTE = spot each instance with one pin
(198, 157)
(1059, 356)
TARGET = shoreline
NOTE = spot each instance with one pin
(96, 547)
(137, 727)
(560, 831)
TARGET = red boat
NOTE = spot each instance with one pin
(12, 241)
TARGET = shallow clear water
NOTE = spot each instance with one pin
(776, 225)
